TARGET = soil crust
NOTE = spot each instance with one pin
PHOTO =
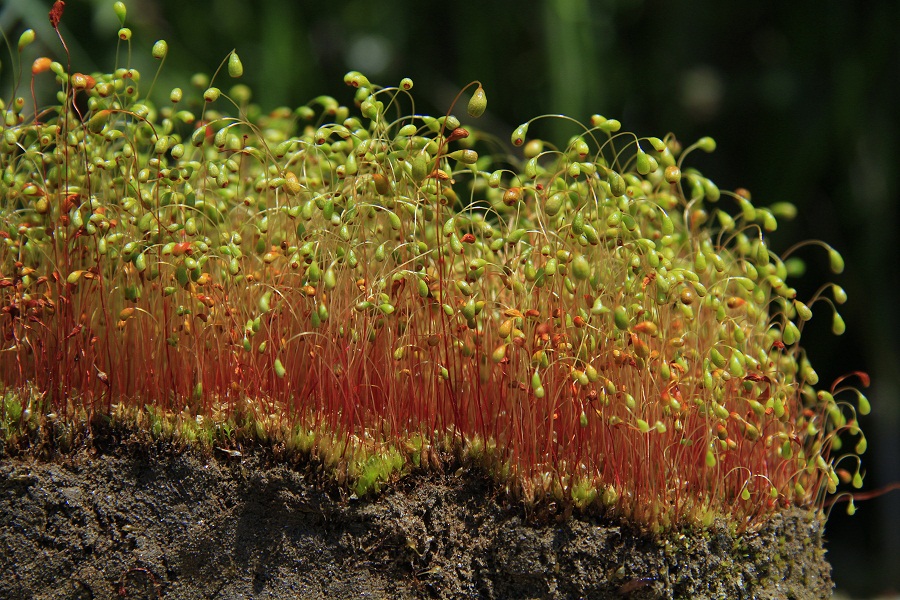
(135, 519)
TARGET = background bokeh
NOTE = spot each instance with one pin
(801, 97)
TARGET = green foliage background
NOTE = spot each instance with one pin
(801, 98)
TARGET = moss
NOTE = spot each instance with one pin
(368, 285)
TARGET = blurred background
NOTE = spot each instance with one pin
(801, 97)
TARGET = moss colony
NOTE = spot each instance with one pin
(594, 323)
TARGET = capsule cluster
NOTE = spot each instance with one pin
(593, 322)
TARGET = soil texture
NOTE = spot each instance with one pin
(143, 520)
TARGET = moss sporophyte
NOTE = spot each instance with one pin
(594, 323)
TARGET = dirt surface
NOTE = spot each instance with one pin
(143, 520)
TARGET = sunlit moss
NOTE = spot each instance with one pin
(596, 324)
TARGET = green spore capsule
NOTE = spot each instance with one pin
(120, 11)
(26, 39)
(836, 261)
(581, 268)
(518, 136)
(235, 67)
(280, 371)
(477, 103)
(160, 49)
